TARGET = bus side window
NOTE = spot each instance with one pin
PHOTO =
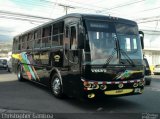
(73, 38)
(67, 31)
(66, 41)
(44, 58)
(37, 60)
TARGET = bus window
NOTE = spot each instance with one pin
(44, 58)
(37, 36)
(55, 40)
(46, 37)
(19, 43)
(67, 32)
(24, 41)
(57, 35)
(15, 44)
(73, 38)
(36, 58)
(66, 39)
(30, 41)
(61, 32)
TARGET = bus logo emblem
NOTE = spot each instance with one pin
(56, 57)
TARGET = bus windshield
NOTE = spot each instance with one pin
(129, 42)
(102, 35)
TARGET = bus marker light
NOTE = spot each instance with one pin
(135, 85)
(86, 84)
(103, 87)
(120, 85)
(141, 83)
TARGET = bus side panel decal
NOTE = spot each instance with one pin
(30, 71)
(126, 74)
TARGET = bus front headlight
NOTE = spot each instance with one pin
(95, 86)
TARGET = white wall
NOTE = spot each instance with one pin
(153, 57)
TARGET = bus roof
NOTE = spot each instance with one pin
(84, 16)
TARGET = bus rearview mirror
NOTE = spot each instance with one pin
(141, 35)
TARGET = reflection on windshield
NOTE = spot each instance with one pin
(102, 45)
(131, 45)
(128, 43)
(126, 29)
(103, 36)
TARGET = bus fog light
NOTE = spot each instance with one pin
(103, 87)
(91, 95)
(135, 85)
(95, 86)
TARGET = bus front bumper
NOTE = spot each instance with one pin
(116, 88)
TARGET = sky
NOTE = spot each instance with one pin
(144, 12)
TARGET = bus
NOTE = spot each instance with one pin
(82, 55)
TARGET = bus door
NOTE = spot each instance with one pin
(71, 60)
(72, 55)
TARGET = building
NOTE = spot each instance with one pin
(152, 46)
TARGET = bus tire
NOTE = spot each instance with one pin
(56, 86)
(19, 73)
(148, 82)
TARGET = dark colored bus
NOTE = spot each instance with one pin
(82, 55)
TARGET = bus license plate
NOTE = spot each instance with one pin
(118, 92)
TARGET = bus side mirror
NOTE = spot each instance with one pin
(81, 41)
(141, 35)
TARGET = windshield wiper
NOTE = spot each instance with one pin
(113, 52)
(129, 60)
(110, 57)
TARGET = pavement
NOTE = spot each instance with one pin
(27, 97)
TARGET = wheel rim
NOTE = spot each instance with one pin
(56, 86)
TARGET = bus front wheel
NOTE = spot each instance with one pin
(19, 73)
(56, 86)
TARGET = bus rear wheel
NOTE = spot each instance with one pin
(56, 86)
(19, 73)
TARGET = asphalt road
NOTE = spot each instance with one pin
(30, 97)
